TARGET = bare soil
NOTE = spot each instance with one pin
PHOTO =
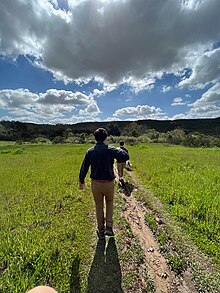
(165, 280)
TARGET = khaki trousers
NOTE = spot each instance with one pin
(120, 167)
(101, 191)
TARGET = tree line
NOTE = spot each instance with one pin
(196, 134)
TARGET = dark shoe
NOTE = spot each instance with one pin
(101, 235)
(109, 231)
(122, 182)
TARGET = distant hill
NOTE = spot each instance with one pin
(205, 126)
(14, 130)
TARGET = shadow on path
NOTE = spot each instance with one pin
(75, 277)
(127, 188)
(105, 272)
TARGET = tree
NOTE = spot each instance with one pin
(58, 139)
(82, 138)
(153, 134)
(41, 139)
(176, 136)
(113, 129)
(133, 129)
(67, 133)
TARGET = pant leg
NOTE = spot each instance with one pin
(109, 196)
(119, 168)
(98, 198)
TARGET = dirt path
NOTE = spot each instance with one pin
(165, 281)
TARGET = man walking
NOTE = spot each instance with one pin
(121, 164)
(101, 160)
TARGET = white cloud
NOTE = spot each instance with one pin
(98, 93)
(11, 99)
(208, 106)
(45, 106)
(209, 111)
(6, 118)
(114, 43)
(191, 4)
(107, 87)
(178, 102)
(92, 110)
(139, 85)
(55, 97)
(205, 70)
(109, 39)
(210, 97)
(74, 119)
(140, 112)
(111, 119)
(166, 89)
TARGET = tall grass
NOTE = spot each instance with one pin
(187, 180)
(43, 218)
(47, 226)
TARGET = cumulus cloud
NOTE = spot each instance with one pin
(54, 96)
(140, 112)
(166, 89)
(45, 106)
(92, 110)
(210, 97)
(97, 93)
(209, 111)
(12, 99)
(73, 119)
(108, 39)
(178, 102)
(205, 70)
(106, 87)
(136, 85)
(208, 106)
(125, 45)
(139, 85)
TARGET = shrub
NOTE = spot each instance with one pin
(58, 139)
(42, 140)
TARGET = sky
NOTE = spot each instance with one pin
(71, 61)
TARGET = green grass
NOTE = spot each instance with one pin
(187, 180)
(47, 225)
(43, 218)
(177, 264)
(7, 143)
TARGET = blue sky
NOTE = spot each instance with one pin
(69, 61)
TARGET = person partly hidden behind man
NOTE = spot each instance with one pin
(101, 160)
(121, 164)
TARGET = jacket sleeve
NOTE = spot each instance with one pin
(121, 155)
(84, 169)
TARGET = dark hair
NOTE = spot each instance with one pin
(100, 134)
(122, 143)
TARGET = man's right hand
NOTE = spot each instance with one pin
(81, 186)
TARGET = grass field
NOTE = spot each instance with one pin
(187, 180)
(43, 217)
(45, 221)
(47, 225)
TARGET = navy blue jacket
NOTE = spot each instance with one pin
(101, 159)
